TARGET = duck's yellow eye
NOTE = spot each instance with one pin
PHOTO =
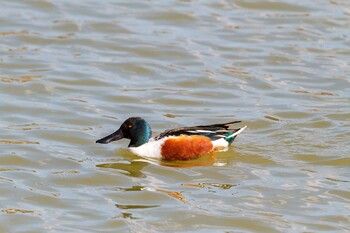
(129, 126)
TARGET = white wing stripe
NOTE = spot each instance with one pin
(201, 131)
(238, 132)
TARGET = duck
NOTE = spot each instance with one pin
(175, 144)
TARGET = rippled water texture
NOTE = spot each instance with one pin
(72, 71)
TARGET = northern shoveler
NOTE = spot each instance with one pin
(175, 144)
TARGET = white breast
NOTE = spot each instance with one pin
(150, 149)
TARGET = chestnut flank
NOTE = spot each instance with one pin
(186, 147)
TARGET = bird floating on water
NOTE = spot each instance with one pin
(175, 144)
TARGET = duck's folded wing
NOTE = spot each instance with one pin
(212, 131)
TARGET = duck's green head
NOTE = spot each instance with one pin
(134, 128)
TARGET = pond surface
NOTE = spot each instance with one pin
(73, 71)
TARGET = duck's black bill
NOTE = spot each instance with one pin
(117, 135)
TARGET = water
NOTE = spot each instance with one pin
(72, 71)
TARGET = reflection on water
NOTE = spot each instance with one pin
(70, 70)
(128, 215)
(21, 79)
(133, 188)
(127, 207)
(202, 185)
(206, 160)
(176, 195)
(134, 168)
(17, 142)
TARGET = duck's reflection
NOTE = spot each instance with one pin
(132, 165)
(130, 168)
